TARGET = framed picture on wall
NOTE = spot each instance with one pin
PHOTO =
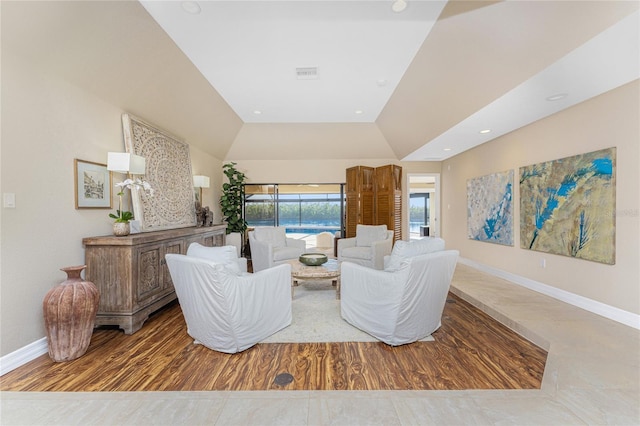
(92, 185)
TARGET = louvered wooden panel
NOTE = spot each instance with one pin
(384, 212)
(360, 198)
(367, 208)
(352, 208)
(388, 183)
(397, 178)
(352, 185)
(367, 177)
(351, 215)
(383, 179)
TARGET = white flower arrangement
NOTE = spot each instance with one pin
(137, 183)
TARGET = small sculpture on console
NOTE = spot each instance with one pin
(204, 216)
(208, 219)
(199, 219)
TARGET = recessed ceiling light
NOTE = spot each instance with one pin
(399, 6)
(447, 149)
(557, 97)
(257, 112)
(485, 131)
(358, 111)
(191, 7)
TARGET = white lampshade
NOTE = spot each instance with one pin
(201, 181)
(123, 162)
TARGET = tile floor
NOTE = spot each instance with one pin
(592, 377)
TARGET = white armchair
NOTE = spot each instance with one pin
(270, 246)
(368, 248)
(229, 311)
(402, 305)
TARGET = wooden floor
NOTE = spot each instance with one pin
(471, 351)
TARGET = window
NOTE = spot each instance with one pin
(304, 208)
(259, 205)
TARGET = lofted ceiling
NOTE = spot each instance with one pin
(299, 61)
(418, 85)
(519, 53)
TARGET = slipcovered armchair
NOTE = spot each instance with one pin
(368, 248)
(270, 246)
(398, 306)
(226, 310)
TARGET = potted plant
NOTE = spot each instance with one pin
(122, 218)
(231, 203)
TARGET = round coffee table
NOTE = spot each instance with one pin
(327, 271)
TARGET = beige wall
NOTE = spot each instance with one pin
(205, 164)
(609, 120)
(302, 171)
(295, 141)
(46, 123)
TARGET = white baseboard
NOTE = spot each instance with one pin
(23, 355)
(599, 308)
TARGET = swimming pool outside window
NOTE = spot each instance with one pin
(304, 208)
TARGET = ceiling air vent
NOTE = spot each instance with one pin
(307, 73)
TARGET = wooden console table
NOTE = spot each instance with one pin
(131, 272)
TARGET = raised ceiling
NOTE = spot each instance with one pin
(479, 65)
(350, 55)
(484, 66)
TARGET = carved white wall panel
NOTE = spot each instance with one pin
(168, 170)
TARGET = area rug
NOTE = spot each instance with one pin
(316, 318)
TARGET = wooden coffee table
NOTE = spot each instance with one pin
(327, 271)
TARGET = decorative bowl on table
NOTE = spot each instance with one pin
(313, 259)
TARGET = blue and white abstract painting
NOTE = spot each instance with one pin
(567, 206)
(490, 208)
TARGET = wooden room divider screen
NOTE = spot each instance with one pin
(374, 197)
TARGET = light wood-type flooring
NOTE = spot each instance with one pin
(470, 351)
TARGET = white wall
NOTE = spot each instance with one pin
(46, 123)
(609, 120)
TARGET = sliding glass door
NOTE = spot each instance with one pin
(260, 205)
(300, 208)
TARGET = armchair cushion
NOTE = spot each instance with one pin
(366, 235)
(285, 253)
(404, 250)
(225, 255)
(364, 253)
(274, 235)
